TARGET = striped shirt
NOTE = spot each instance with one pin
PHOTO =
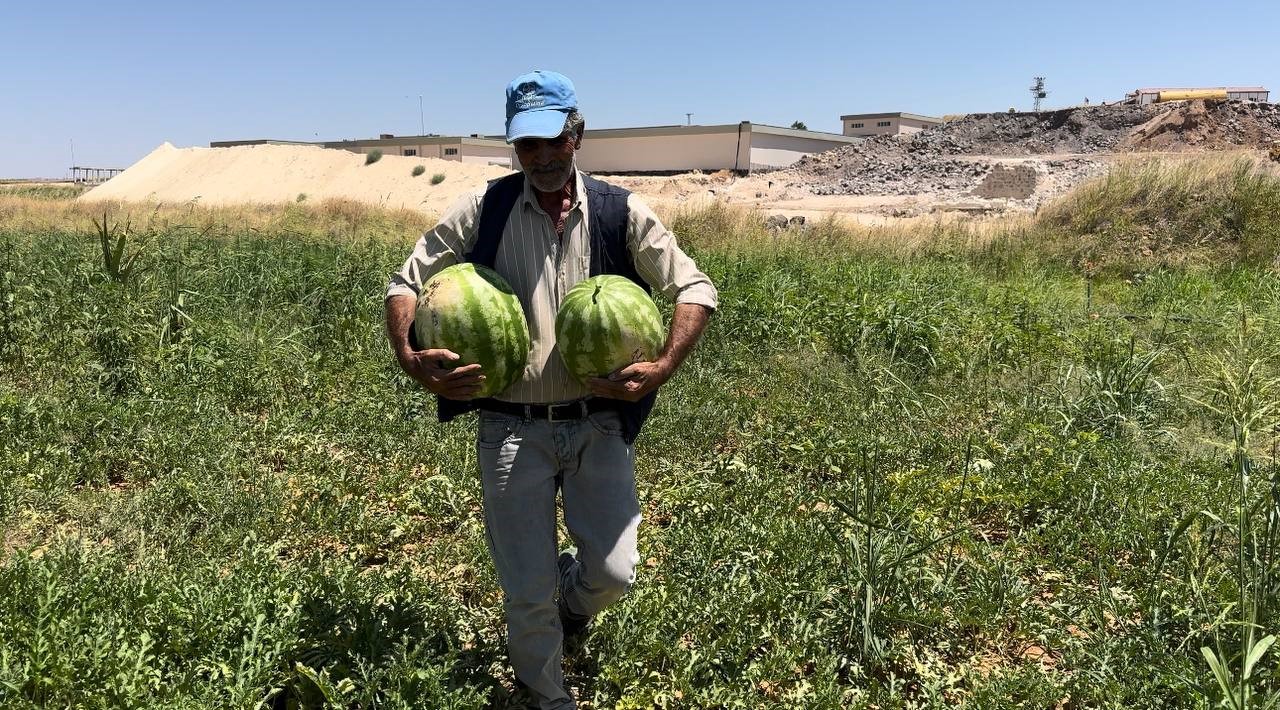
(542, 266)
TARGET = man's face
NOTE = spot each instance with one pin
(548, 162)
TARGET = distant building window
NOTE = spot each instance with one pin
(884, 124)
(410, 151)
(855, 125)
(450, 151)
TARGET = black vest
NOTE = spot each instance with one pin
(607, 228)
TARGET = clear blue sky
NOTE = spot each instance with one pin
(119, 78)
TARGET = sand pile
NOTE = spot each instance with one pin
(282, 173)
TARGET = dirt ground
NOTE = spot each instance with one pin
(977, 165)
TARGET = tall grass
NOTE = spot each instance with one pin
(42, 191)
(1171, 211)
(932, 470)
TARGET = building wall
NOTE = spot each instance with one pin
(769, 150)
(705, 151)
(895, 125)
(912, 125)
(487, 155)
(871, 126)
(456, 150)
(1150, 97)
(421, 151)
(1261, 96)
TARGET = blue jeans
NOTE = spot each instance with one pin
(522, 462)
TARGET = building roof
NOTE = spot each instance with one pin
(365, 142)
(499, 141)
(895, 114)
(259, 141)
(416, 140)
(696, 129)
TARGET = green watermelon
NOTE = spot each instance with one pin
(472, 311)
(604, 323)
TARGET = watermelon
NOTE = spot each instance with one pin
(604, 323)
(472, 311)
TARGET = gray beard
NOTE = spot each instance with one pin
(544, 183)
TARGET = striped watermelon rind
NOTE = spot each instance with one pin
(474, 312)
(607, 322)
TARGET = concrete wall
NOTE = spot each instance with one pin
(911, 125)
(769, 150)
(704, 151)
(871, 126)
(481, 154)
(486, 155)
(424, 151)
(1016, 182)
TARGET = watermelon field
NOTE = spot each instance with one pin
(1029, 464)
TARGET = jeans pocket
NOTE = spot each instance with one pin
(497, 429)
(607, 423)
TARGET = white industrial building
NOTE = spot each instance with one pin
(886, 124)
(741, 147)
(470, 149)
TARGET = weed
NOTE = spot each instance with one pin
(902, 468)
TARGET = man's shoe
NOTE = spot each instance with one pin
(574, 626)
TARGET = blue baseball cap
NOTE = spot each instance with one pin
(537, 104)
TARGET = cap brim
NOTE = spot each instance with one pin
(539, 123)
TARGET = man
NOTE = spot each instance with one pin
(544, 229)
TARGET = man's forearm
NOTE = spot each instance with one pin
(687, 324)
(399, 310)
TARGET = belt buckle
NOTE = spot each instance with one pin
(581, 412)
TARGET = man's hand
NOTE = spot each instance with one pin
(428, 368)
(634, 381)
(631, 383)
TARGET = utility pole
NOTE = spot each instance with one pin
(422, 125)
(73, 155)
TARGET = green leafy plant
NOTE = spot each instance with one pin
(418, 170)
(1246, 399)
(437, 178)
(372, 156)
(113, 238)
(881, 553)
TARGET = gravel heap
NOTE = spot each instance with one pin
(950, 159)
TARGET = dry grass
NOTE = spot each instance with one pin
(330, 218)
(1189, 210)
(721, 226)
(1194, 210)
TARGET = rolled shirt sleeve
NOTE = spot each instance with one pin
(441, 246)
(660, 261)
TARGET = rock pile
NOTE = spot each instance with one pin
(956, 157)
